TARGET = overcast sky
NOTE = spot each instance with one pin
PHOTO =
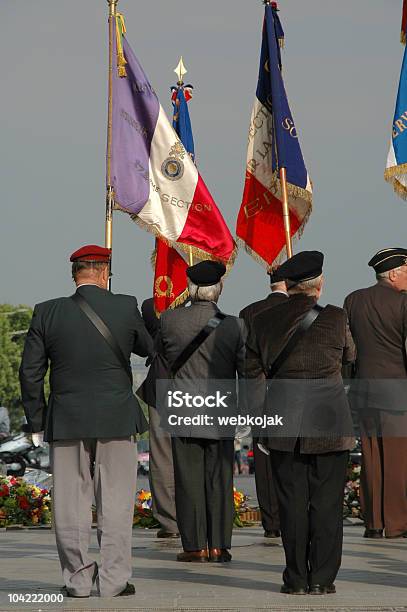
(341, 64)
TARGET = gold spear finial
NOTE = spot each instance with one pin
(180, 71)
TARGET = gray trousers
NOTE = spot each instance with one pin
(161, 474)
(104, 470)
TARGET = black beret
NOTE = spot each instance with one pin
(302, 267)
(388, 259)
(206, 273)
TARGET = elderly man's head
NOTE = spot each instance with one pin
(390, 266)
(205, 281)
(303, 273)
(91, 265)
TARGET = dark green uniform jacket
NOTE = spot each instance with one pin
(91, 394)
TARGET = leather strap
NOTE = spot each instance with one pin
(183, 357)
(104, 331)
(299, 333)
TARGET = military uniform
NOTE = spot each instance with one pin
(310, 455)
(378, 321)
(203, 461)
(90, 420)
(161, 468)
(265, 488)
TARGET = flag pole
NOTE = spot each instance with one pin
(109, 189)
(286, 212)
(284, 191)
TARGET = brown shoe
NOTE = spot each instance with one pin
(219, 555)
(195, 556)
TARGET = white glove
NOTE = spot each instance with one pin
(38, 438)
(263, 448)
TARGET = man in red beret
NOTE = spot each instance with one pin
(90, 419)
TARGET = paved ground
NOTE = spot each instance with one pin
(373, 576)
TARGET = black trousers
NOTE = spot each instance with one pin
(310, 490)
(265, 489)
(204, 492)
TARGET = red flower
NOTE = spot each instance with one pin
(4, 490)
(23, 503)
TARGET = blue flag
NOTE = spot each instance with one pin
(271, 92)
(272, 144)
(396, 170)
(181, 121)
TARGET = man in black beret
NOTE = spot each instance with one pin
(265, 489)
(301, 347)
(202, 344)
(378, 321)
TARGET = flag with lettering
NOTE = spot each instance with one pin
(272, 144)
(153, 177)
(170, 280)
(396, 170)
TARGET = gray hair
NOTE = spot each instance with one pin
(385, 275)
(309, 287)
(206, 294)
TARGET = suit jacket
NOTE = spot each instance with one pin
(308, 389)
(252, 310)
(378, 322)
(219, 358)
(151, 321)
(91, 394)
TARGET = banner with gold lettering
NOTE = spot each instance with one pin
(396, 170)
(272, 144)
(153, 177)
(170, 279)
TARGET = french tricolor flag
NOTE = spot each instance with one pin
(153, 177)
(272, 144)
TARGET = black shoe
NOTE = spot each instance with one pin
(319, 589)
(129, 589)
(288, 590)
(375, 534)
(272, 533)
(162, 533)
(67, 593)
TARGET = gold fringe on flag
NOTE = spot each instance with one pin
(392, 174)
(403, 38)
(181, 299)
(120, 31)
(295, 192)
(196, 252)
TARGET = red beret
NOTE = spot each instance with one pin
(91, 252)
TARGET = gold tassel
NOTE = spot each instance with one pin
(120, 31)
